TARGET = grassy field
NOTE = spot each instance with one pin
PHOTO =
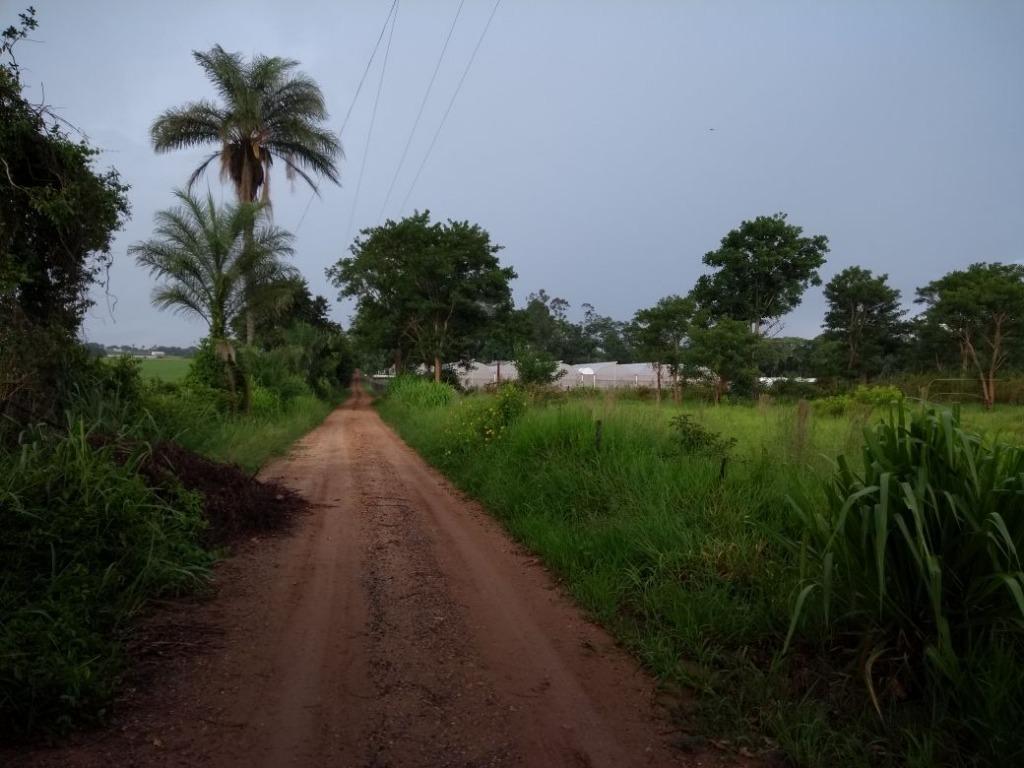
(688, 561)
(171, 369)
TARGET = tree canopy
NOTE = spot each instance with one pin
(659, 333)
(268, 112)
(425, 289)
(980, 308)
(764, 266)
(208, 268)
(865, 317)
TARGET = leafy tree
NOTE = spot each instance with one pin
(726, 348)
(660, 333)
(788, 356)
(535, 366)
(982, 309)
(268, 113)
(57, 216)
(210, 271)
(764, 267)
(865, 316)
(430, 289)
(604, 337)
(297, 305)
(543, 323)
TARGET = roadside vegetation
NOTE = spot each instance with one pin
(843, 588)
(111, 490)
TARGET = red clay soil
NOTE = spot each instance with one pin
(397, 625)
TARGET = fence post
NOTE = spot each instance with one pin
(597, 436)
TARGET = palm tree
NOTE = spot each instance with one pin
(269, 112)
(217, 263)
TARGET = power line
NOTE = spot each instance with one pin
(462, 79)
(355, 97)
(419, 114)
(373, 119)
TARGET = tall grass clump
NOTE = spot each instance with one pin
(912, 563)
(85, 543)
(416, 392)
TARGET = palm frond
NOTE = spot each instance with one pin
(195, 124)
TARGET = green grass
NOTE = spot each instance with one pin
(248, 440)
(172, 369)
(690, 571)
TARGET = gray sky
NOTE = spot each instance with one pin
(581, 137)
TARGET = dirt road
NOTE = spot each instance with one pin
(397, 626)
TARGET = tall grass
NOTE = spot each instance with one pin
(85, 543)
(916, 559)
(691, 568)
(194, 419)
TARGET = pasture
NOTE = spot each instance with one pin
(171, 369)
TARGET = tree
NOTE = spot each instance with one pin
(430, 289)
(660, 332)
(982, 309)
(535, 366)
(865, 317)
(605, 337)
(297, 305)
(725, 347)
(764, 267)
(269, 112)
(58, 214)
(210, 271)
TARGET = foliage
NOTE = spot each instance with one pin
(981, 309)
(727, 348)
(764, 267)
(694, 437)
(431, 290)
(85, 543)
(209, 269)
(688, 569)
(915, 558)
(879, 396)
(484, 420)
(57, 217)
(659, 333)
(269, 113)
(535, 366)
(865, 316)
(416, 392)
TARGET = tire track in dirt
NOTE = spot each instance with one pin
(396, 626)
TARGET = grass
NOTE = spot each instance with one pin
(86, 543)
(172, 369)
(248, 440)
(690, 569)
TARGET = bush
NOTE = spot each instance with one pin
(791, 389)
(85, 542)
(416, 392)
(867, 397)
(916, 558)
(535, 366)
(694, 437)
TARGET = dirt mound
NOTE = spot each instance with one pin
(235, 503)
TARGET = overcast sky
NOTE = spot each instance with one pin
(582, 137)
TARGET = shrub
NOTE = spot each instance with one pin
(535, 366)
(85, 542)
(867, 397)
(694, 437)
(916, 558)
(877, 396)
